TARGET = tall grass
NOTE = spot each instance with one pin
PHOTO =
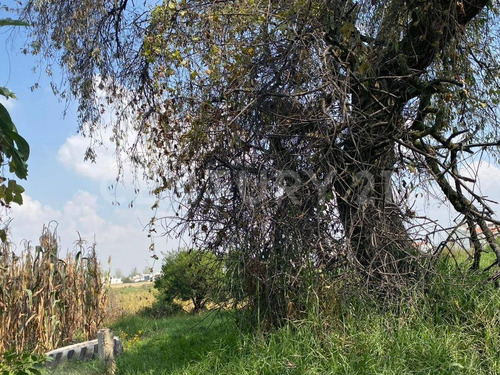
(448, 325)
(451, 329)
(47, 302)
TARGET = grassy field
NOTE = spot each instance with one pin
(128, 299)
(376, 344)
(454, 330)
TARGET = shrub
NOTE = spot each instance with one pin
(190, 275)
(13, 363)
(161, 308)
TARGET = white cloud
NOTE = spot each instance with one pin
(487, 176)
(121, 238)
(9, 104)
(81, 212)
(105, 170)
(71, 155)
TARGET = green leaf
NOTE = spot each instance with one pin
(347, 29)
(3, 235)
(18, 166)
(7, 93)
(13, 145)
(5, 120)
(22, 145)
(11, 22)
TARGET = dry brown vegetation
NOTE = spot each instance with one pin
(47, 302)
(128, 299)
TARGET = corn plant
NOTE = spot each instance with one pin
(47, 302)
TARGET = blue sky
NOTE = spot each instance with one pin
(60, 185)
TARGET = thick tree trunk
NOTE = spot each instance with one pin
(372, 220)
(373, 224)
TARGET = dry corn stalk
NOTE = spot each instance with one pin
(47, 302)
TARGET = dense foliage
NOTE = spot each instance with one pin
(21, 364)
(292, 132)
(190, 275)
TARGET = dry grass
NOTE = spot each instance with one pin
(128, 299)
(47, 302)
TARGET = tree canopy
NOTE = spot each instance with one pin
(292, 132)
(190, 275)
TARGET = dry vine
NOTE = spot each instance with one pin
(289, 132)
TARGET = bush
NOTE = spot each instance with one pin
(190, 275)
(161, 309)
(127, 280)
(13, 363)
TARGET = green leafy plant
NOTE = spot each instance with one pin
(14, 150)
(190, 275)
(14, 147)
(162, 308)
(21, 363)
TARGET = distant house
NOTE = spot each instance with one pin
(145, 277)
(463, 231)
(115, 280)
(495, 230)
(137, 278)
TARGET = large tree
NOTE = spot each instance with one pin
(291, 131)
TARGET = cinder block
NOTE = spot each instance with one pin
(84, 351)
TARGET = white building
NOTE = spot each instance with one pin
(115, 280)
(463, 231)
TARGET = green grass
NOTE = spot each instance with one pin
(464, 258)
(455, 329)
